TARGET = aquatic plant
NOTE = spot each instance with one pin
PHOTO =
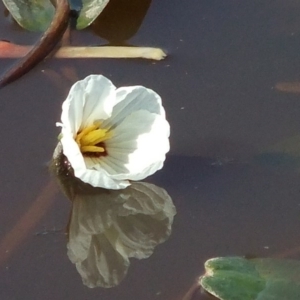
(112, 136)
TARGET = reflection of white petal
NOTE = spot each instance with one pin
(92, 215)
(109, 227)
(78, 246)
(104, 266)
(139, 233)
(149, 199)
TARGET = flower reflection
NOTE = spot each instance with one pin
(109, 227)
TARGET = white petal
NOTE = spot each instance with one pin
(96, 178)
(89, 99)
(72, 109)
(131, 99)
(138, 146)
(137, 119)
(100, 178)
(100, 99)
(72, 151)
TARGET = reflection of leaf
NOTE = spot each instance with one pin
(34, 15)
(277, 159)
(289, 146)
(285, 153)
(120, 20)
(236, 278)
(288, 87)
(109, 227)
(89, 12)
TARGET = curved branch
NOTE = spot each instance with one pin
(43, 47)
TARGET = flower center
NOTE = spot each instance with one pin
(91, 140)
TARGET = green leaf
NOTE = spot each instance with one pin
(237, 278)
(33, 15)
(91, 9)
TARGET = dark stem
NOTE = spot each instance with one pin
(43, 47)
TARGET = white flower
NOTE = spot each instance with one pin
(111, 136)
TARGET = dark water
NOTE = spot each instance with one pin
(233, 168)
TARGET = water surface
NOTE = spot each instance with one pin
(230, 173)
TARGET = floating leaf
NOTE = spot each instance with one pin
(33, 15)
(236, 278)
(91, 9)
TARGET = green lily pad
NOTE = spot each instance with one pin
(91, 9)
(237, 278)
(33, 15)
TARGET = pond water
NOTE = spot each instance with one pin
(233, 169)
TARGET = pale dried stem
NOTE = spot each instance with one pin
(93, 52)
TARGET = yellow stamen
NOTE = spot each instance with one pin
(90, 137)
(91, 149)
(84, 132)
